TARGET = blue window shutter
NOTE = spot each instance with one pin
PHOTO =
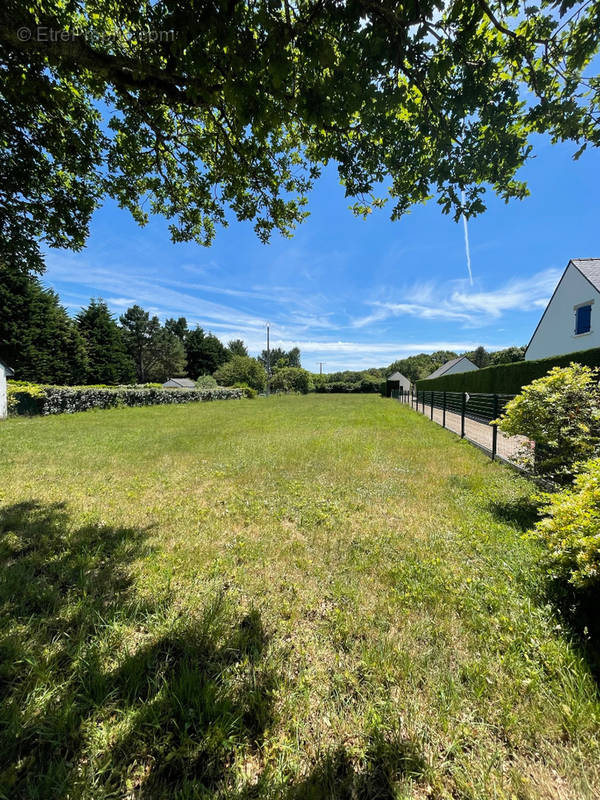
(583, 321)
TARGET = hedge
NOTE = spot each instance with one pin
(506, 378)
(349, 387)
(34, 399)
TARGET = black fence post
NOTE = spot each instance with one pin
(495, 429)
(431, 405)
(462, 415)
(423, 401)
(444, 411)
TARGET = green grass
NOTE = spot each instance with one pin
(305, 597)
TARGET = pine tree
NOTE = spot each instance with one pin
(138, 331)
(236, 347)
(157, 353)
(204, 352)
(179, 327)
(38, 339)
(108, 361)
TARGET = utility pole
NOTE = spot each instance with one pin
(321, 367)
(268, 363)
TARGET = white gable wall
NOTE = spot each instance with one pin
(555, 334)
(3, 407)
(464, 365)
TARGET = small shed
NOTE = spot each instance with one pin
(179, 383)
(397, 385)
(5, 372)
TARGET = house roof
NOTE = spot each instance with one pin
(185, 383)
(589, 268)
(437, 373)
(398, 376)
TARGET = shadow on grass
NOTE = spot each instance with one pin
(386, 763)
(521, 513)
(99, 688)
(579, 616)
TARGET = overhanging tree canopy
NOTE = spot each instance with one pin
(188, 109)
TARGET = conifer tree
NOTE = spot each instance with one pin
(38, 339)
(108, 361)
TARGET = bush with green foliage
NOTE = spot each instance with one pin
(206, 382)
(367, 385)
(248, 391)
(45, 400)
(571, 529)
(506, 378)
(242, 369)
(561, 414)
(291, 379)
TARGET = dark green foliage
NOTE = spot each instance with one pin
(416, 367)
(350, 381)
(108, 361)
(156, 352)
(38, 339)
(508, 378)
(204, 352)
(291, 379)
(139, 331)
(168, 357)
(237, 109)
(507, 356)
(178, 327)
(364, 386)
(480, 357)
(279, 358)
(242, 369)
(236, 347)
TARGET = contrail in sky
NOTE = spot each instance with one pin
(467, 248)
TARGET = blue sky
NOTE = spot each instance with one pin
(349, 292)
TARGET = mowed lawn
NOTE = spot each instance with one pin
(300, 597)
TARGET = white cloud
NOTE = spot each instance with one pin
(464, 305)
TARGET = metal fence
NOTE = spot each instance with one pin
(469, 416)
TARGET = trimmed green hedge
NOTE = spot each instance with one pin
(507, 378)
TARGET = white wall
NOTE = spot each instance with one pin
(556, 332)
(464, 365)
(2, 392)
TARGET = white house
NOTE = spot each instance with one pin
(5, 372)
(571, 320)
(179, 383)
(460, 364)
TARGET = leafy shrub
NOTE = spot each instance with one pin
(507, 378)
(571, 531)
(33, 399)
(206, 382)
(364, 386)
(291, 379)
(248, 391)
(561, 414)
(242, 369)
